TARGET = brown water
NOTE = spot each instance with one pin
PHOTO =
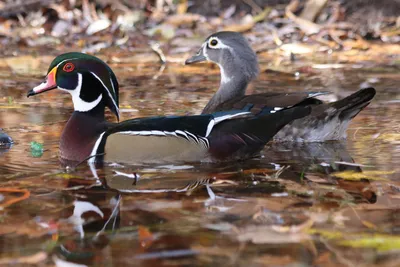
(286, 208)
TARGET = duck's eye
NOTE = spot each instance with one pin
(68, 67)
(213, 43)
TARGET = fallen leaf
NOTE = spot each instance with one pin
(31, 259)
(378, 242)
(356, 176)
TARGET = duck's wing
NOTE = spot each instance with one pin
(219, 136)
(160, 139)
(270, 102)
(244, 137)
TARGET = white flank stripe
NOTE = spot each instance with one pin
(160, 133)
(193, 136)
(318, 94)
(178, 133)
(210, 127)
(229, 116)
(146, 133)
(96, 146)
(182, 133)
(217, 120)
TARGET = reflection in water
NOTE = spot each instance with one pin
(4, 149)
(313, 161)
(285, 208)
(95, 220)
(5, 142)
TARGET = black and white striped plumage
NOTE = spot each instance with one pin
(211, 137)
(93, 86)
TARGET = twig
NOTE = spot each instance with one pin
(352, 164)
(306, 26)
(253, 5)
(156, 48)
(160, 71)
(26, 194)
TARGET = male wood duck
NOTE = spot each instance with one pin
(93, 86)
(238, 64)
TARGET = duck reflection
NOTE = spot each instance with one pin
(307, 162)
(6, 142)
(94, 216)
(327, 157)
(318, 162)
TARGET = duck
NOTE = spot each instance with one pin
(239, 66)
(93, 86)
(5, 140)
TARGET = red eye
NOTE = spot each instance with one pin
(68, 67)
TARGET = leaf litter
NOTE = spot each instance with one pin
(256, 212)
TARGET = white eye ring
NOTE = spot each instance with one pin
(213, 43)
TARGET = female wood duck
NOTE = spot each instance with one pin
(238, 64)
(93, 86)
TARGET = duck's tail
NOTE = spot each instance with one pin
(350, 106)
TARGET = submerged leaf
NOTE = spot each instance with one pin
(356, 176)
(326, 233)
(36, 149)
(390, 138)
(379, 242)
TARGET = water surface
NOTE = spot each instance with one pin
(288, 207)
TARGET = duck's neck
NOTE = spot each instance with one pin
(80, 134)
(233, 84)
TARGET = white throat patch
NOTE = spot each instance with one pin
(220, 45)
(80, 104)
(224, 78)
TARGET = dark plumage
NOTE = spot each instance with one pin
(228, 135)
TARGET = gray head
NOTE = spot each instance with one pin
(232, 52)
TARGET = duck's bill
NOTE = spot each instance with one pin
(47, 85)
(196, 58)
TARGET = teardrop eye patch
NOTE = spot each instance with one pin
(68, 67)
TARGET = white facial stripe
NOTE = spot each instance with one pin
(112, 85)
(64, 61)
(43, 85)
(80, 104)
(220, 44)
(108, 91)
(205, 51)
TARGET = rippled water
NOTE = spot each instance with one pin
(286, 208)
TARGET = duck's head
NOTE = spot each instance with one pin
(89, 80)
(231, 51)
